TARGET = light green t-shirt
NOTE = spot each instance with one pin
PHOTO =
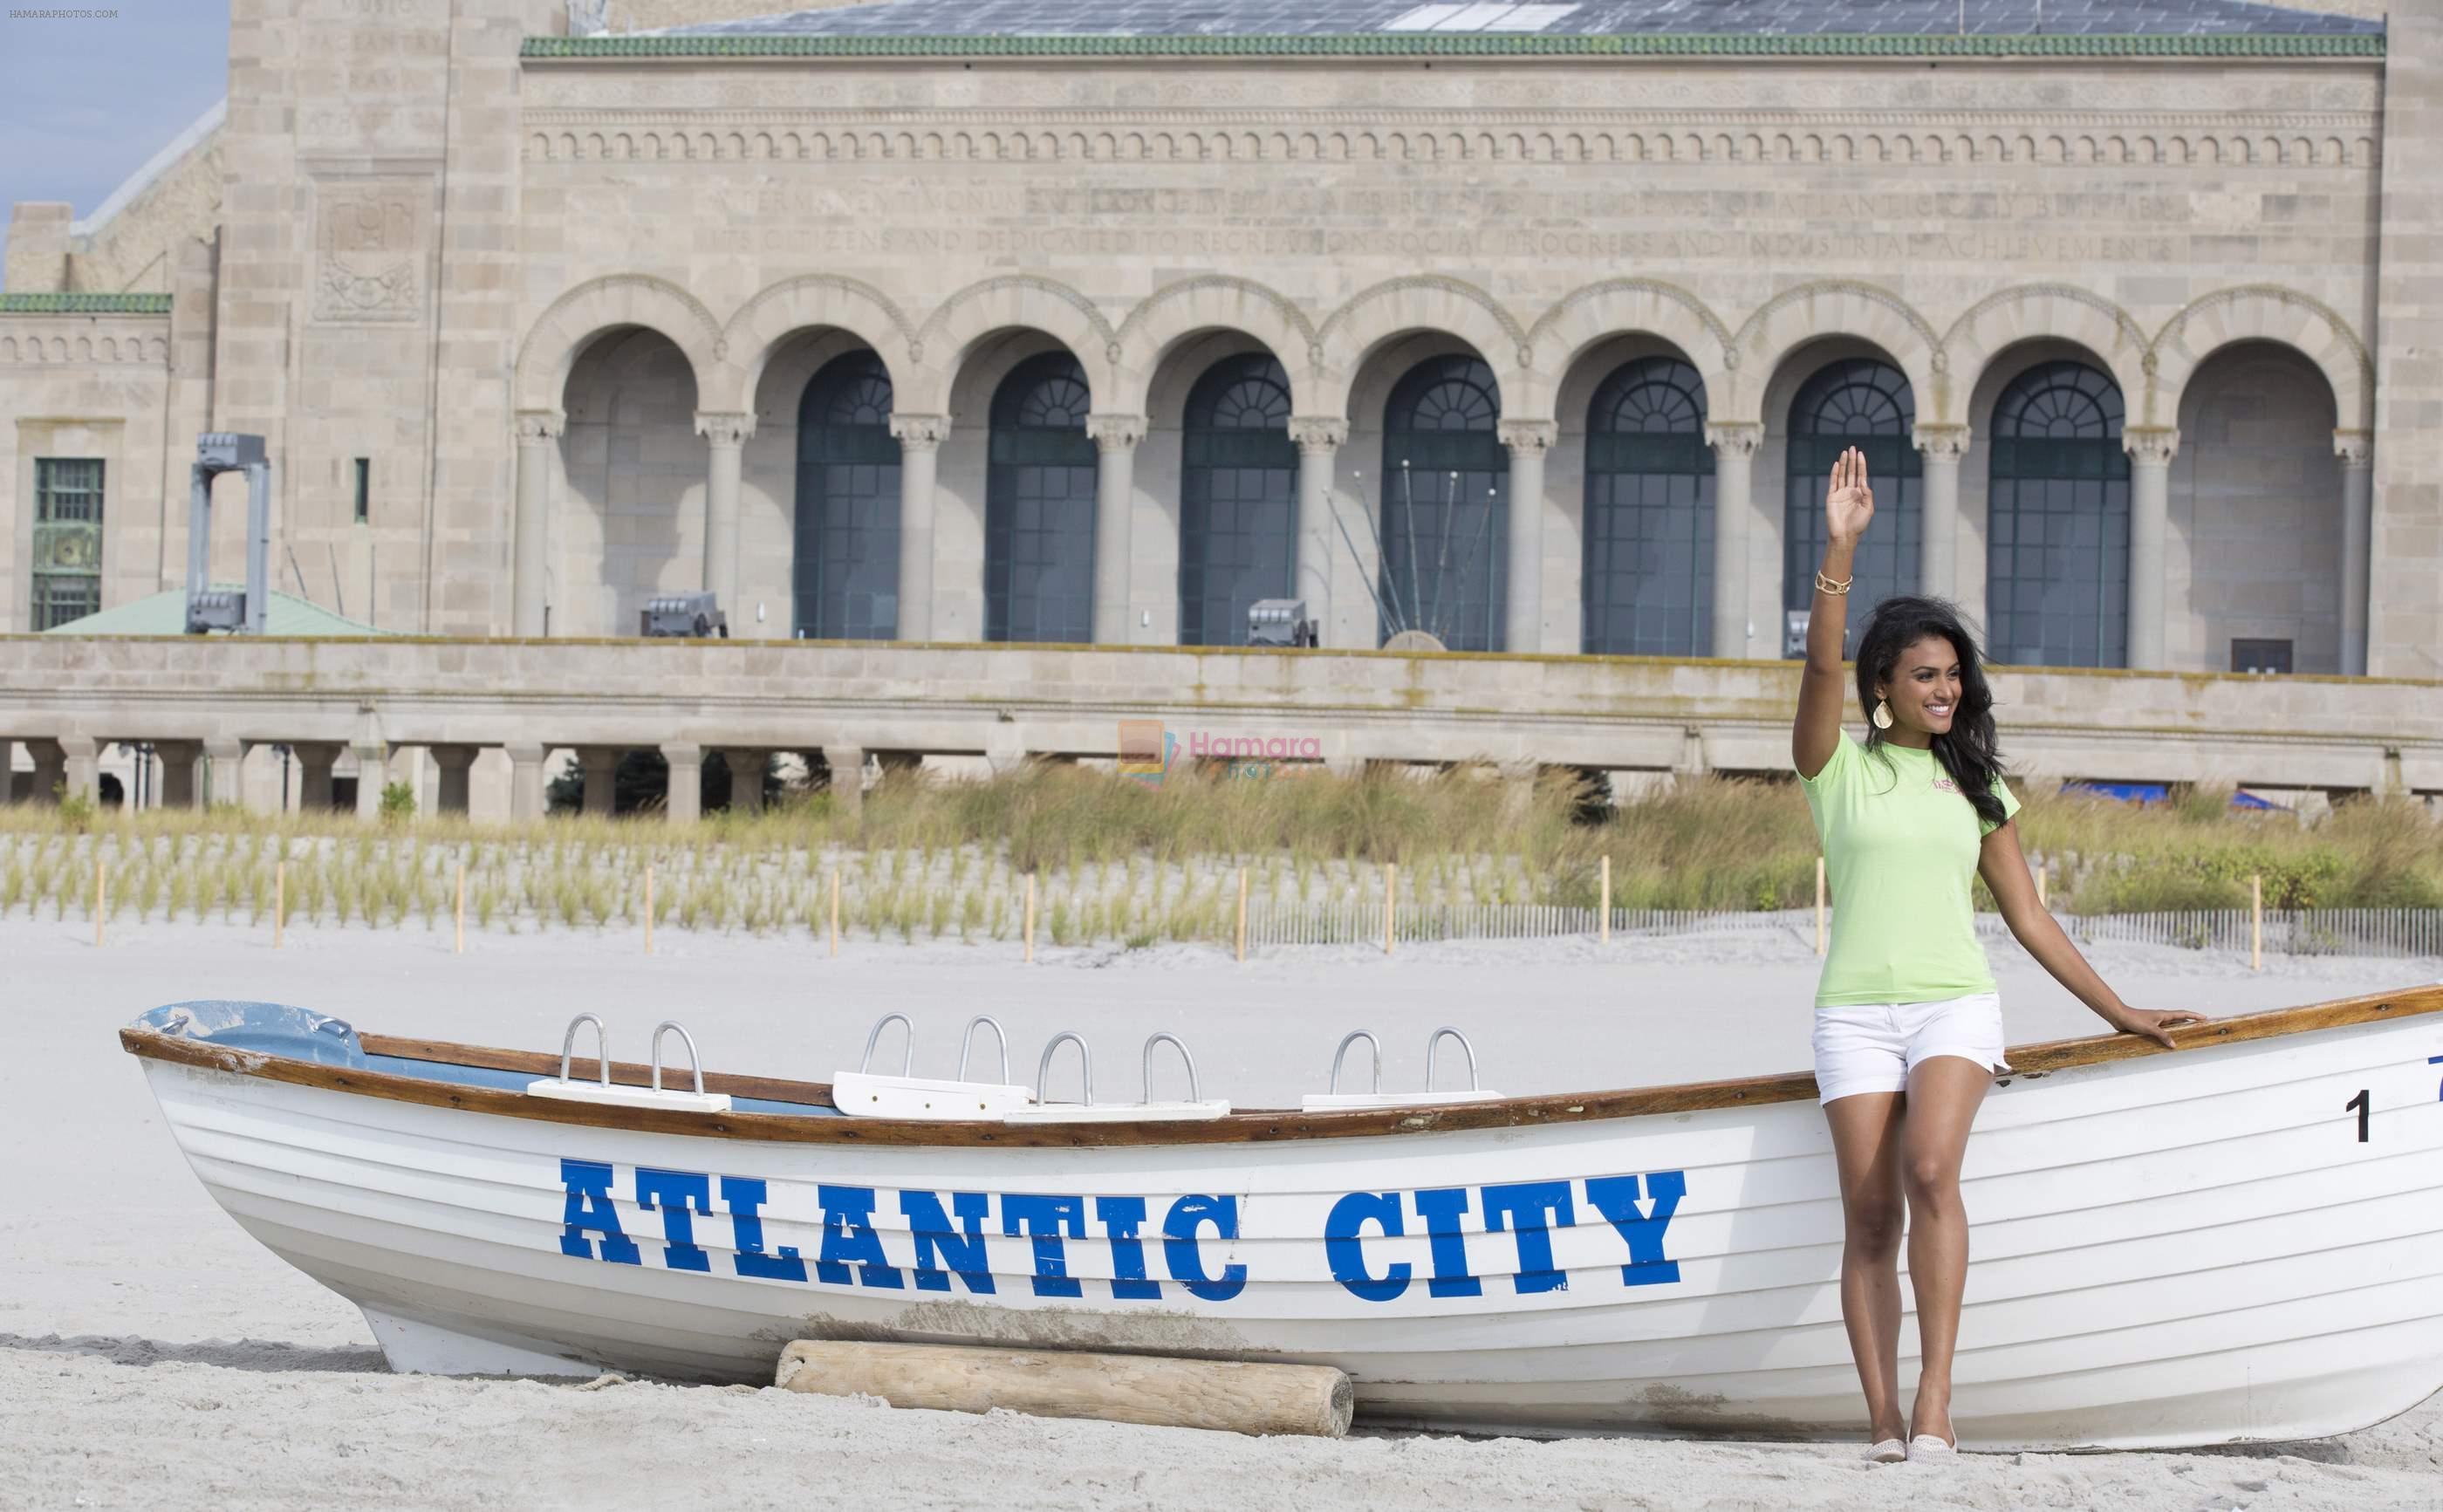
(1900, 844)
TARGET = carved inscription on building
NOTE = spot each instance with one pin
(370, 247)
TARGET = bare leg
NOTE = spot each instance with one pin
(1867, 1144)
(1943, 1096)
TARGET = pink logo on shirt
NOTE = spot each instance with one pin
(1944, 784)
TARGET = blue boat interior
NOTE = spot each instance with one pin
(299, 1034)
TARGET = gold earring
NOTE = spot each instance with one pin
(1884, 714)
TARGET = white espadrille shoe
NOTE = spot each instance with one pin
(1931, 1447)
(1889, 1451)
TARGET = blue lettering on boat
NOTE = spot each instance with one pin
(1197, 1233)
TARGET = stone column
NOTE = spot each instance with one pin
(314, 759)
(525, 782)
(50, 769)
(727, 434)
(222, 773)
(1528, 440)
(180, 786)
(2356, 450)
(847, 763)
(1937, 570)
(9, 771)
(683, 801)
(2151, 448)
(1115, 438)
(1734, 445)
(1319, 439)
(745, 779)
(539, 434)
(920, 447)
(80, 765)
(455, 762)
(373, 770)
(600, 766)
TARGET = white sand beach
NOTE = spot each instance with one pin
(153, 1355)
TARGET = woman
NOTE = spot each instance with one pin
(1908, 1030)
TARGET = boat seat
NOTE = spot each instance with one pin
(1089, 1111)
(862, 1095)
(869, 1093)
(603, 1090)
(1337, 1100)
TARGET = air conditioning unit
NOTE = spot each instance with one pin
(685, 615)
(1279, 622)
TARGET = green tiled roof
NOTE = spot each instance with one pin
(1444, 44)
(165, 613)
(84, 303)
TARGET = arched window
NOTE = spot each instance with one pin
(1446, 494)
(1237, 499)
(1865, 403)
(845, 581)
(2057, 522)
(1039, 506)
(1649, 513)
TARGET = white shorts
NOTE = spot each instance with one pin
(1873, 1046)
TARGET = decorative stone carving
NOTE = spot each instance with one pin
(541, 425)
(725, 430)
(1536, 436)
(2151, 446)
(1946, 443)
(1116, 433)
(1318, 436)
(920, 433)
(369, 248)
(1741, 437)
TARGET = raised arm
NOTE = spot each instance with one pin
(1848, 504)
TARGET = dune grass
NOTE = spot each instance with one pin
(1121, 861)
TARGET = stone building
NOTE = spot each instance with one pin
(1534, 326)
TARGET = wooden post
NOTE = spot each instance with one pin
(1819, 905)
(2256, 922)
(1391, 903)
(461, 912)
(1237, 1396)
(648, 908)
(835, 912)
(1030, 918)
(101, 891)
(1242, 913)
(279, 898)
(1606, 897)
(2044, 874)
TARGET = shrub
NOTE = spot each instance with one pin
(397, 803)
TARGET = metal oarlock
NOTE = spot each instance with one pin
(601, 1046)
(1372, 1047)
(1144, 1092)
(1434, 1045)
(968, 1041)
(1085, 1066)
(695, 1062)
(906, 1048)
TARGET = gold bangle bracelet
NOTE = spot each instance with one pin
(1825, 584)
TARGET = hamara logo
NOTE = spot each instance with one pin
(949, 1242)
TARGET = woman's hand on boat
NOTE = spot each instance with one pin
(1849, 502)
(2155, 1025)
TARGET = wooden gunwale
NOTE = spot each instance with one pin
(1247, 1127)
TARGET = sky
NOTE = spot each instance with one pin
(86, 99)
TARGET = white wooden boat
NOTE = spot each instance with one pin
(2239, 1241)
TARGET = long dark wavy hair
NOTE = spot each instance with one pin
(1969, 753)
